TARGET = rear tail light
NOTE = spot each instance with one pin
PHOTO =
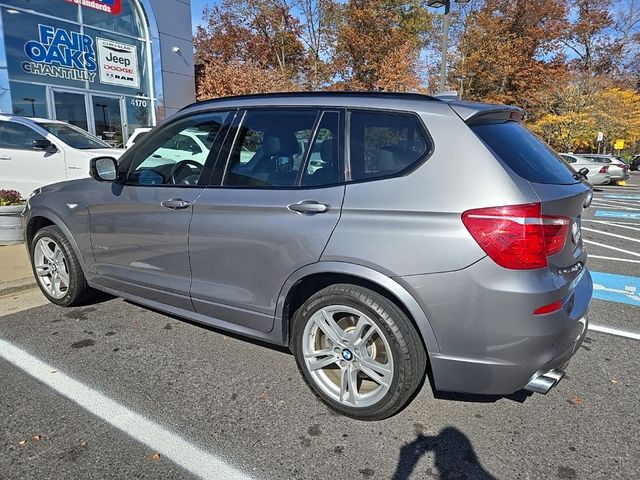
(604, 169)
(518, 237)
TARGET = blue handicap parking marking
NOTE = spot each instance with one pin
(621, 196)
(617, 214)
(616, 288)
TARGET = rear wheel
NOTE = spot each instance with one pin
(358, 351)
(57, 269)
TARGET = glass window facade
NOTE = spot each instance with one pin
(84, 62)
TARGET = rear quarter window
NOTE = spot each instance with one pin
(524, 153)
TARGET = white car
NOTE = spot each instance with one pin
(598, 173)
(137, 134)
(38, 151)
(191, 144)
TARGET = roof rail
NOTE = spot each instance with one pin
(321, 93)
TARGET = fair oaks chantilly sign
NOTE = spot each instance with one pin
(61, 53)
(107, 6)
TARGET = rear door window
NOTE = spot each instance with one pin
(524, 153)
(384, 144)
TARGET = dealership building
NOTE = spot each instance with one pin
(108, 66)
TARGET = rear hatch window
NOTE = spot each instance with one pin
(524, 153)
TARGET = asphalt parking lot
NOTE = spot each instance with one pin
(165, 398)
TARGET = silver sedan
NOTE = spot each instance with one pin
(598, 172)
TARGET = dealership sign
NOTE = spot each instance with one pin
(107, 6)
(118, 63)
(61, 53)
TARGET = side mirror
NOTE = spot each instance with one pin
(583, 171)
(104, 169)
(43, 144)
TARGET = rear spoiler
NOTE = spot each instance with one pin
(475, 113)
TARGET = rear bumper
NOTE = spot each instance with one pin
(490, 341)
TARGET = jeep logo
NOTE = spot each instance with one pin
(120, 60)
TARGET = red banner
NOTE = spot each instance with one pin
(107, 6)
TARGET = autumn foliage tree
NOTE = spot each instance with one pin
(511, 50)
(378, 45)
(247, 46)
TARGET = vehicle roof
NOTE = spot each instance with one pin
(11, 117)
(400, 100)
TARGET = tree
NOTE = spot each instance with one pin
(318, 36)
(247, 46)
(586, 105)
(512, 48)
(378, 44)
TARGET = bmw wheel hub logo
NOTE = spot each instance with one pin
(347, 355)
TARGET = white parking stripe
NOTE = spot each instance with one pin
(168, 444)
(614, 224)
(590, 242)
(615, 331)
(609, 234)
(626, 260)
(612, 207)
(627, 203)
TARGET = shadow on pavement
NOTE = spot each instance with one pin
(454, 456)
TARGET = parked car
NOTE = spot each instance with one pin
(369, 268)
(38, 151)
(137, 134)
(598, 173)
(618, 168)
(635, 163)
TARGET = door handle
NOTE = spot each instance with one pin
(310, 207)
(3, 157)
(175, 204)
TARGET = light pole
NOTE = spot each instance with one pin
(33, 105)
(461, 78)
(445, 37)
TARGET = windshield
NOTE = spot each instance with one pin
(73, 136)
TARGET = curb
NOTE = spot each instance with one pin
(17, 286)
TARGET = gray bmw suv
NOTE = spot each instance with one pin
(376, 235)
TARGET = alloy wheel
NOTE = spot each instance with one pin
(51, 267)
(348, 356)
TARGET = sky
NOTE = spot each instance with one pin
(196, 11)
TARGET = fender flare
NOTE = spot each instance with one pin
(57, 221)
(367, 273)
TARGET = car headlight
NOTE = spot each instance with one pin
(36, 192)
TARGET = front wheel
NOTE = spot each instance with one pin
(57, 269)
(358, 351)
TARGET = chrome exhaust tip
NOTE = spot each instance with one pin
(543, 382)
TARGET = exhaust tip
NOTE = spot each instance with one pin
(543, 382)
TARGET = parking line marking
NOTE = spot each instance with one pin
(614, 224)
(184, 454)
(615, 331)
(612, 214)
(622, 196)
(627, 260)
(627, 203)
(600, 203)
(616, 288)
(623, 237)
(629, 252)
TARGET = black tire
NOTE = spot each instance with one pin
(410, 358)
(78, 290)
